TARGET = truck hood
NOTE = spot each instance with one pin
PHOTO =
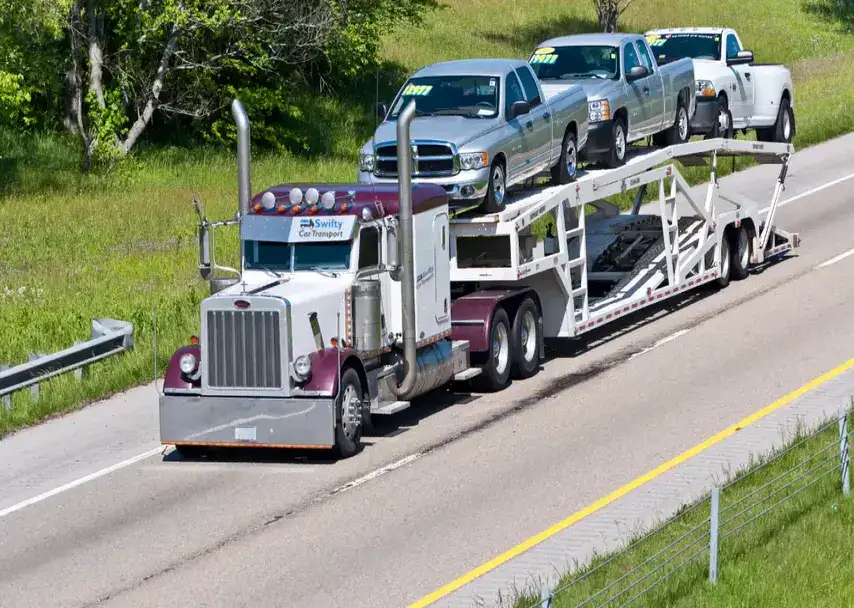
(456, 129)
(594, 89)
(705, 69)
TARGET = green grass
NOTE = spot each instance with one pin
(796, 554)
(120, 242)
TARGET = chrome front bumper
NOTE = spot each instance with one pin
(478, 179)
(243, 421)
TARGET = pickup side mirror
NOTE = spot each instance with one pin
(382, 110)
(636, 73)
(519, 108)
(741, 58)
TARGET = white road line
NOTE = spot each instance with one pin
(81, 481)
(377, 473)
(841, 256)
(811, 192)
(672, 336)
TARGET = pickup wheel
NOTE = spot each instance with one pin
(617, 156)
(348, 414)
(525, 339)
(496, 370)
(679, 132)
(566, 169)
(494, 201)
(783, 130)
(722, 127)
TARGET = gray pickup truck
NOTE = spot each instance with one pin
(480, 126)
(629, 95)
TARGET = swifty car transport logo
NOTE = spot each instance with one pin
(321, 228)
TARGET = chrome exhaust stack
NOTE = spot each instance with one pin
(244, 187)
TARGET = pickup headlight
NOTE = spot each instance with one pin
(705, 88)
(302, 367)
(367, 162)
(598, 111)
(474, 160)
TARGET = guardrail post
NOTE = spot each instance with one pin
(713, 535)
(545, 597)
(80, 372)
(34, 388)
(843, 449)
(7, 399)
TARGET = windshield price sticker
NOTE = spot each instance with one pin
(319, 229)
(544, 59)
(417, 90)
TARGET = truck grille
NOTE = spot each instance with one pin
(244, 349)
(429, 160)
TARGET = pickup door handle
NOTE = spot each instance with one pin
(646, 90)
(547, 115)
(747, 75)
(529, 124)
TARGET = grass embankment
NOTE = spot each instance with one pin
(119, 244)
(797, 554)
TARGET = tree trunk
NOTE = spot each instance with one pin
(96, 51)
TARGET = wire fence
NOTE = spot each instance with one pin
(730, 518)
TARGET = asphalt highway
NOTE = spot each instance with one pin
(93, 514)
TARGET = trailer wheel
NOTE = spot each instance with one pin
(740, 253)
(494, 201)
(726, 264)
(566, 169)
(525, 340)
(496, 371)
(348, 414)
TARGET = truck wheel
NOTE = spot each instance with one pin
(494, 201)
(525, 339)
(679, 132)
(740, 252)
(348, 414)
(784, 128)
(496, 371)
(617, 155)
(722, 127)
(566, 169)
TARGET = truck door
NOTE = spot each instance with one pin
(656, 103)
(742, 96)
(520, 146)
(638, 95)
(541, 134)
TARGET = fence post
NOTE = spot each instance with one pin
(545, 597)
(843, 449)
(713, 535)
(7, 399)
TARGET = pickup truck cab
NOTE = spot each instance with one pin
(480, 126)
(629, 96)
(732, 91)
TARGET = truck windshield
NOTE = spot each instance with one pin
(293, 257)
(672, 47)
(471, 96)
(575, 62)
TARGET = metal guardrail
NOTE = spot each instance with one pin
(648, 566)
(108, 337)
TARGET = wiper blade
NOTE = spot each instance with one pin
(324, 271)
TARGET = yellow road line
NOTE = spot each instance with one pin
(632, 485)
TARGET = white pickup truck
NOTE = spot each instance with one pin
(732, 92)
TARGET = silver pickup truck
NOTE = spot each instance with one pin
(630, 97)
(480, 126)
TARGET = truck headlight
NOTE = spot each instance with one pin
(367, 162)
(474, 160)
(598, 111)
(706, 88)
(302, 367)
(188, 363)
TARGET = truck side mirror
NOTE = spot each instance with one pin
(636, 73)
(382, 110)
(204, 250)
(741, 58)
(519, 108)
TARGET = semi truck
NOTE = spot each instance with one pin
(352, 300)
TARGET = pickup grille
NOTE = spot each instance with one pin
(429, 160)
(244, 349)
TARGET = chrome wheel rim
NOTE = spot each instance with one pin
(529, 336)
(500, 349)
(571, 157)
(787, 126)
(724, 258)
(723, 122)
(683, 124)
(743, 248)
(498, 184)
(350, 412)
(620, 142)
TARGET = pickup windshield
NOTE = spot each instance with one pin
(293, 257)
(575, 62)
(471, 96)
(672, 47)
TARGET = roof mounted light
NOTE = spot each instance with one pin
(327, 201)
(312, 196)
(268, 200)
(295, 196)
(366, 214)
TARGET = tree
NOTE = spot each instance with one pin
(609, 11)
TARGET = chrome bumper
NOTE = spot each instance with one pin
(243, 421)
(478, 179)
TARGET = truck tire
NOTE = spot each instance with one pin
(494, 201)
(783, 130)
(722, 127)
(348, 414)
(566, 169)
(680, 130)
(525, 340)
(619, 146)
(726, 265)
(740, 246)
(496, 370)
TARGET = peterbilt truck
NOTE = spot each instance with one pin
(732, 91)
(630, 97)
(352, 300)
(481, 126)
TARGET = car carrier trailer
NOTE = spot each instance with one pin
(351, 300)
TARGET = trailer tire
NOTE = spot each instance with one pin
(348, 415)
(566, 169)
(525, 339)
(726, 264)
(497, 189)
(740, 244)
(496, 370)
